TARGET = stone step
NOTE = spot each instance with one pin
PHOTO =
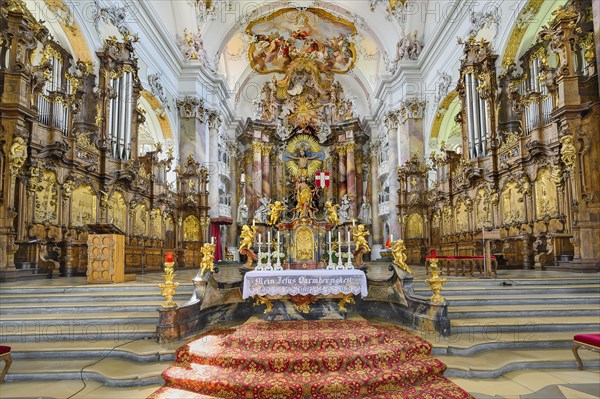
(516, 290)
(60, 330)
(494, 311)
(140, 351)
(87, 289)
(491, 327)
(111, 371)
(69, 307)
(460, 282)
(54, 319)
(494, 363)
(469, 343)
(534, 298)
(97, 297)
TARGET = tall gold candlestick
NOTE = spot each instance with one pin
(169, 286)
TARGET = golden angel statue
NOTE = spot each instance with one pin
(332, 216)
(275, 212)
(247, 239)
(362, 246)
(208, 256)
(399, 254)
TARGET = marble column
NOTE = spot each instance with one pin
(266, 170)
(257, 174)
(214, 174)
(376, 229)
(249, 185)
(392, 121)
(342, 187)
(351, 177)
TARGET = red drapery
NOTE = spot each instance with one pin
(215, 232)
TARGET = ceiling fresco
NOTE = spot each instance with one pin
(290, 34)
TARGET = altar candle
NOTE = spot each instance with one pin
(339, 236)
(169, 257)
(253, 222)
(348, 237)
(330, 236)
(353, 222)
(259, 238)
(278, 239)
(212, 240)
(269, 236)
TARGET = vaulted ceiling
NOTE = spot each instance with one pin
(222, 29)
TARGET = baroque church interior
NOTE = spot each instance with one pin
(216, 169)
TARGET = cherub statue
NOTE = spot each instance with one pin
(208, 256)
(362, 246)
(399, 254)
(247, 238)
(275, 211)
(332, 216)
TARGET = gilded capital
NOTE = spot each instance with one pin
(257, 147)
(266, 149)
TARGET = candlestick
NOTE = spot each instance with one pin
(269, 264)
(349, 262)
(340, 265)
(169, 258)
(259, 266)
(330, 265)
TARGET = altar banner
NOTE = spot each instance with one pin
(305, 282)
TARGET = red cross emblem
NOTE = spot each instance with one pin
(322, 179)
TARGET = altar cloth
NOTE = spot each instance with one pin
(305, 282)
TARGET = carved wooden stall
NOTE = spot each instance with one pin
(524, 172)
(69, 157)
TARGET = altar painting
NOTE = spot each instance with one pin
(290, 34)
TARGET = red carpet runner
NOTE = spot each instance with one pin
(308, 359)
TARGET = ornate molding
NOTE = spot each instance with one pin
(157, 89)
(113, 15)
(190, 107)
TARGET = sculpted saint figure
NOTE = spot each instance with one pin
(247, 238)
(208, 256)
(345, 209)
(275, 212)
(304, 195)
(362, 246)
(332, 216)
(263, 210)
